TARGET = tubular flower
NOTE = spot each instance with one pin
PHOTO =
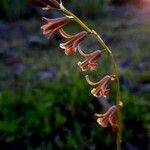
(101, 89)
(54, 25)
(72, 45)
(89, 63)
(46, 4)
(110, 117)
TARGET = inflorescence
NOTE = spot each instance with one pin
(101, 88)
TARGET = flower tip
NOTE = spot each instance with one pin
(87, 78)
(120, 104)
(97, 115)
(112, 77)
(61, 46)
(46, 8)
(100, 122)
(105, 96)
(93, 92)
(61, 5)
(79, 63)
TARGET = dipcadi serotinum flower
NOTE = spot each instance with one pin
(54, 25)
(89, 62)
(74, 40)
(101, 89)
(46, 4)
(110, 117)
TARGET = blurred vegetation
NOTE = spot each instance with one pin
(84, 8)
(120, 2)
(14, 9)
(23, 8)
(20, 8)
(57, 113)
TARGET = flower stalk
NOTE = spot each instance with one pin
(114, 70)
(113, 115)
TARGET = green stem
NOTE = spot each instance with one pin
(114, 69)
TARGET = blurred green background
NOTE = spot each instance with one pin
(45, 103)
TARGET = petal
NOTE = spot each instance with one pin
(95, 56)
(92, 66)
(103, 121)
(104, 92)
(99, 115)
(65, 35)
(82, 53)
(80, 64)
(69, 51)
(61, 45)
(90, 82)
(113, 122)
(67, 44)
(93, 92)
(45, 27)
(52, 33)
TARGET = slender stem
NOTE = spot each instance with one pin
(114, 69)
(76, 19)
(103, 50)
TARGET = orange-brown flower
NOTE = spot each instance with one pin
(101, 89)
(72, 45)
(89, 62)
(110, 117)
(46, 4)
(54, 25)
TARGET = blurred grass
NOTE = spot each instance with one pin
(14, 9)
(62, 110)
(23, 8)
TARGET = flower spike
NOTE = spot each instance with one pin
(89, 63)
(46, 4)
(72, 45)
(110, 117)
(101, 89)
(54, 25)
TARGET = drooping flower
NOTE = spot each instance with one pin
(102, 85)
(54, 25)
(74, 40)
(110, 117)
(46, 4)
(89, 62)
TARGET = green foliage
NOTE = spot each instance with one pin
(89, 8)
(19, 8)
(65, 104)
(13, 9)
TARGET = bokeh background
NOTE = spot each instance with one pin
(45, 103)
